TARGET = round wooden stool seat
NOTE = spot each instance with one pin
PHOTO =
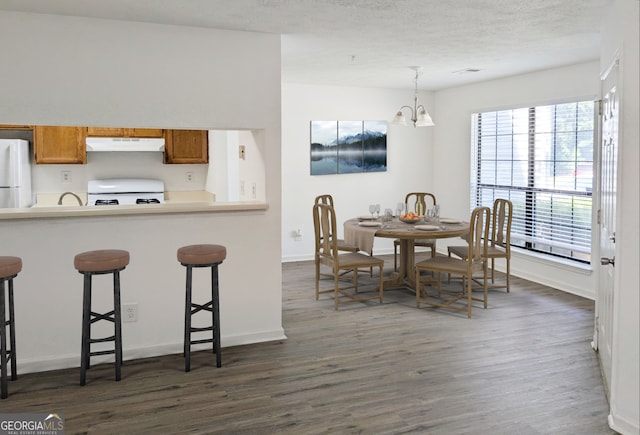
(101, 260)
(202, 254)
(10, 266)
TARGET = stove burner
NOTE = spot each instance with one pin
(107, 202)
(147, 201)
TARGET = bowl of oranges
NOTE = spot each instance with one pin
(410, 218)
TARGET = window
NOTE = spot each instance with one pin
(541, 158)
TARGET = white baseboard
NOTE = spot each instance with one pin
(71, 361)
(622, 425)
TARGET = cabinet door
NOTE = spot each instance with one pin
(144, 132)
(59, 145)
(105, 131)
(186, 146)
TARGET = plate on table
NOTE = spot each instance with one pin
(450, 221)
(367, 218)
(369, 224)
(427, 227)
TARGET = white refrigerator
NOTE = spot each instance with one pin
(15, 174)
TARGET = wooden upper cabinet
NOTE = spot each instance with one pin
(124, 132)
(59, 145)
(144, 132)
(186, 146)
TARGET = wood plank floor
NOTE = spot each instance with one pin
(523, 366)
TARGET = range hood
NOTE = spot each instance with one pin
(115, 144)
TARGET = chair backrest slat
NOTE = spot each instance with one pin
(325, 221)
(419, 199)
(502, 217)
(478, 234)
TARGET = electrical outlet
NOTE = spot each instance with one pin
(297, 235)
(130, 312)
(188, 177)
(65, 176)
(253, 190)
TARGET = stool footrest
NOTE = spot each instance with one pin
(204, 340)
(102, 352)
(208, 328)
(102, 340)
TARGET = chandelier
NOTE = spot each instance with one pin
(419, 115)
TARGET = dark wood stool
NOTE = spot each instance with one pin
(9, 269)
(202, 256)
(99, 263)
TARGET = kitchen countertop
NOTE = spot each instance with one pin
(174, 203)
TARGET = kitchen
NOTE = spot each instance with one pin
(79, 84)
(224, 166)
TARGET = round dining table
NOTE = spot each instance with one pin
(358, 231)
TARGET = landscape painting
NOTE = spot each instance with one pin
(344, 147)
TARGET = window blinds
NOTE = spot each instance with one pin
(541, 158)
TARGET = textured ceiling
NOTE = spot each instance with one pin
(374, 43)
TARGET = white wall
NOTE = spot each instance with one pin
(621, 37)
(142, 75)
(452, 150)
(409, 159)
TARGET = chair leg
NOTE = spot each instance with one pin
(485, 288)
(380, 283)
(508, 275)
(335, 289)
(317, 278)
(469, 294)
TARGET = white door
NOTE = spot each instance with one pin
(607, 219)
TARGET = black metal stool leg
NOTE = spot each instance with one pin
(215, 313)
(3, 344)
(12, 336)
(117, 318)
(86, 328)
(187, 321)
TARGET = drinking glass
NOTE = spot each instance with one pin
(400, 209)
(388, 217)
(377, 210)
(372, 209)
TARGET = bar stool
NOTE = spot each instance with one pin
(9, 269)
(100, 262)
(202, 256)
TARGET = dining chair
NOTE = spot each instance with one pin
(500, 246)
(329, 255)
(418, 201)
(474, 262)
(342, 245)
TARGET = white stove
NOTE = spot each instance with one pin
(125, 191)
